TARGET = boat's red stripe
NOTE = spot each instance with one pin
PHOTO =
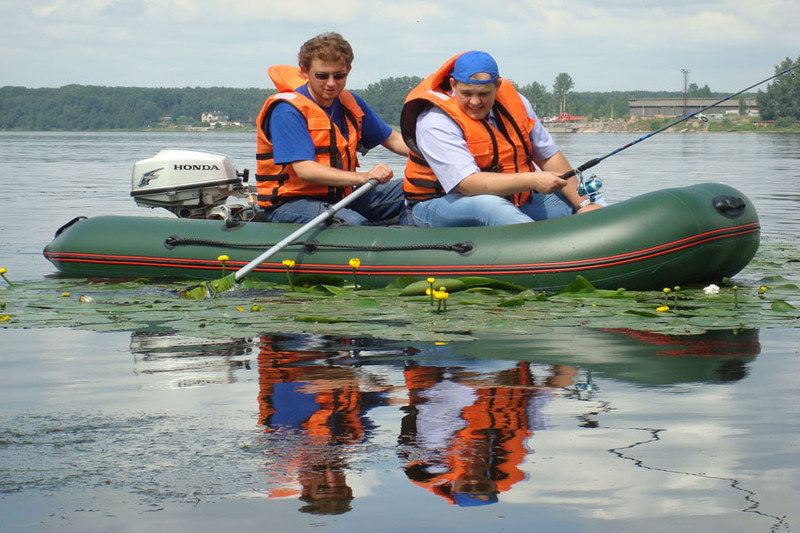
(398, 270)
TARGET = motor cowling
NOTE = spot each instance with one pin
(189, 183)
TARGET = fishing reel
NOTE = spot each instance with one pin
(591, 187)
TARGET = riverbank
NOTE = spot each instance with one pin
(693, 125)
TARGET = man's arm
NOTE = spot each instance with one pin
(558, 164)
(396, 144)
(442, 144)
(334, 177)
(504, 184)
(293, 146)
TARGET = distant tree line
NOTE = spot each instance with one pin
(84, 107)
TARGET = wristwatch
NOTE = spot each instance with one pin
(585, 203)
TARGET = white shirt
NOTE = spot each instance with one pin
(442, 144)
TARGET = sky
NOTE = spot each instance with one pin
(604, 45)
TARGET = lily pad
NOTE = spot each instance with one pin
(489, 283)
(785, 307)
(419, 287)
(583, 286)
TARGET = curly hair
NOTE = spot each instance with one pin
(328, 46)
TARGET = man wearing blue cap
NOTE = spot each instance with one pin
(473, 142)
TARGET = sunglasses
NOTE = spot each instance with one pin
(326, 75)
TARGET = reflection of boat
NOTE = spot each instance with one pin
(189, 361)
(700, 233)
(635, 356)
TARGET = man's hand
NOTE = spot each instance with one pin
(589, 207)
(547, 182)
(382, 173)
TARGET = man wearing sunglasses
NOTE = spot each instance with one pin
(308, 138)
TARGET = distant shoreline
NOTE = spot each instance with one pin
(694, 125)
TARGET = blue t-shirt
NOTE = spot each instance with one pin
(291, 140)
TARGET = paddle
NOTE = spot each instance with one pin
(210, 288)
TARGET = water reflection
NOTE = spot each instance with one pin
(320, 407)
(464, 419)
(465, 433)
(189, 361)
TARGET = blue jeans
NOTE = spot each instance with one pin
(455, 209)
(383, 205)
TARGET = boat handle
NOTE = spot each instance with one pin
(729, 206)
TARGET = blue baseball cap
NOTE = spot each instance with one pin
(474, 500)
(474, 62)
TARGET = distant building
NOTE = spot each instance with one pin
(213, 117)
(674, 107)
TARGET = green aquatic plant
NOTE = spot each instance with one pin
(223, 259)
(289, 264)
(355, 263)
(441, 295)
(767, 295)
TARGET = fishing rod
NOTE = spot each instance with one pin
(594, 185)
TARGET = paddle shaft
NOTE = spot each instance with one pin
(328, 213)
(596, 160)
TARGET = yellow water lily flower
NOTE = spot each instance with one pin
(663, 309)
(255, 308)
(238, 308)
(289, 264)
(442, 296)
(223, 259)
(355, 263)
(429, 290)
(5, 318)
(66, 294)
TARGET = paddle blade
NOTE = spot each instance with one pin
(209, 289)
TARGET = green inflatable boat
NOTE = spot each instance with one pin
(695, 234)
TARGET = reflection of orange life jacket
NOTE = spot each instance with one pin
(500, 412)
(277, 183)
(338, 417)
(505, 148)
(497, 423)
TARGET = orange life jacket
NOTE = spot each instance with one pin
(505, 148)
(495, 434)
(277, 183)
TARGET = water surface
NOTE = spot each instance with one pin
(573, 429)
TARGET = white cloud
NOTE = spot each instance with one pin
(604, 45)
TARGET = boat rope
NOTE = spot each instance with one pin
(313, 246)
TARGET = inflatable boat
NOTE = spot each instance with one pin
(695, 234)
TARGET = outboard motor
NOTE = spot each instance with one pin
(192, 184)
